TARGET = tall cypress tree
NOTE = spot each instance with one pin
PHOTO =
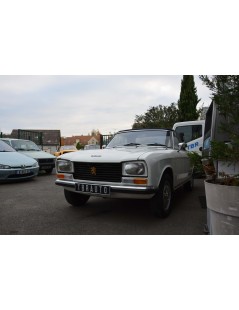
(188, 100)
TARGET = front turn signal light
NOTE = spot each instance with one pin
(140, 181)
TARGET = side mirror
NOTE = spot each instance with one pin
(182, 146)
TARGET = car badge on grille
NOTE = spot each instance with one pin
(93, 170)
(23, 166)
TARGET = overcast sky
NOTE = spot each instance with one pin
(77, 104)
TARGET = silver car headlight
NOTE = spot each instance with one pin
(135, 168)
(35, 165)
(4, 167)
(64, 166)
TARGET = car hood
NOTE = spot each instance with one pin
(114, 154)
(15, 159)
(37, 154)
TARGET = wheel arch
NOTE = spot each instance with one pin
(167, 171)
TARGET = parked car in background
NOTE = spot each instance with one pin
(137, 164)
(65, 149)
(45, 160)
(92, 147)
(15, 166)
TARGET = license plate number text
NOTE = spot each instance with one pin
(93, 189)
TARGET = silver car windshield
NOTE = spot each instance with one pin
(155, 137)
(4, 147)
(24, 145)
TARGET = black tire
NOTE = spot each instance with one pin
(161, 203)
(189, 185)
(75, 199)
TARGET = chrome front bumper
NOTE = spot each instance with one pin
(116, 191)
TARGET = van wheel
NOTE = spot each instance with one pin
(75, 199)
(161, 203)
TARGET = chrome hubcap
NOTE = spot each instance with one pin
(166, 195)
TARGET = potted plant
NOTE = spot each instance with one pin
(222, 189)
(196, 163)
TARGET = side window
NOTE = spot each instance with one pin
(196, 131)
(189, 133)
(175, 142)
(184, 133)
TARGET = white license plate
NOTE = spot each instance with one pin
(22, 171)
(93, 189)
(46, 167)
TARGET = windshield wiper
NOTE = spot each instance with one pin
(114, 147)
(132, 144)
(156, 144)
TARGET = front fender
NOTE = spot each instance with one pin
(156, 171)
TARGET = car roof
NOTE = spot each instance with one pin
(145, 129)
(14, 139)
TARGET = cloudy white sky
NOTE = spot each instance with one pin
(77, 104)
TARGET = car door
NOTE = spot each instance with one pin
(181, 163)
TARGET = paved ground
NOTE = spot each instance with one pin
(38, 207)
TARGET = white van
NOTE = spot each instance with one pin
(191, 132)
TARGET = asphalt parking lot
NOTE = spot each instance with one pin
(38, 207)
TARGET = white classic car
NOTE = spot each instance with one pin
(137, 164)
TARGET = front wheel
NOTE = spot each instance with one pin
(75, 199)
(161, 203)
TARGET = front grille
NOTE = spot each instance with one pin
(19, 176)
(46, 161)
(105, 172)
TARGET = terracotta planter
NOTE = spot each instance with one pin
(223, 208)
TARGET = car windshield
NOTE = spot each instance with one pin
(160, 137)
(24, 145)
(4, 147)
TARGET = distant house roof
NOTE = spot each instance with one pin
(49, 136)
(82, 139)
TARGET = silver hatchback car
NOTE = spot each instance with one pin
(15, 166)
(45, 160)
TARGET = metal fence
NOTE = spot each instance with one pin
(105, 139)
(34, 136)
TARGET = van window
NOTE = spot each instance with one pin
(176, 141)
(189, 132)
